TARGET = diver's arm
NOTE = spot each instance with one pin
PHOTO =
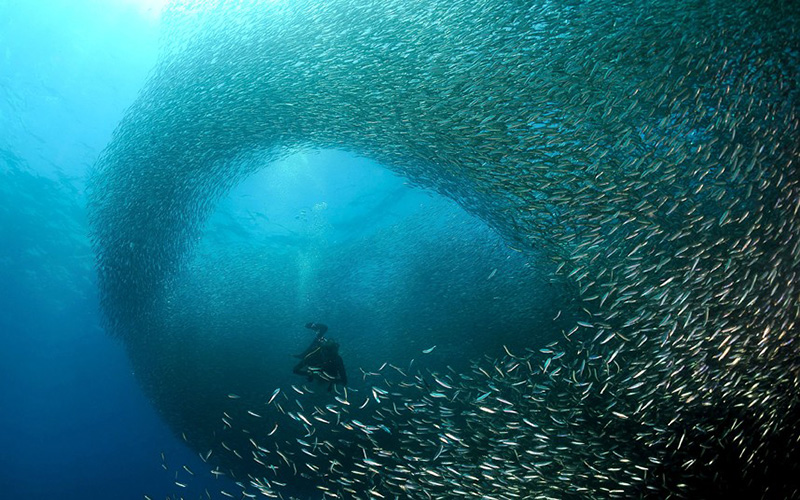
(311, 348)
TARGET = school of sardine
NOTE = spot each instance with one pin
(648, 149)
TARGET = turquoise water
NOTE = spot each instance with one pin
(556, 242)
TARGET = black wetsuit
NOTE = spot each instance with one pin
(322, 359)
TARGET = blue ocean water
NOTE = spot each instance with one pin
(607, 308)
(74, 423)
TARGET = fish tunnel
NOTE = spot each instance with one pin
(404, 277)
(612, 246)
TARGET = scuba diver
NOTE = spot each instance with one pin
(321, 359)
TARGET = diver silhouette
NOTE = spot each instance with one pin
(321, 360)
